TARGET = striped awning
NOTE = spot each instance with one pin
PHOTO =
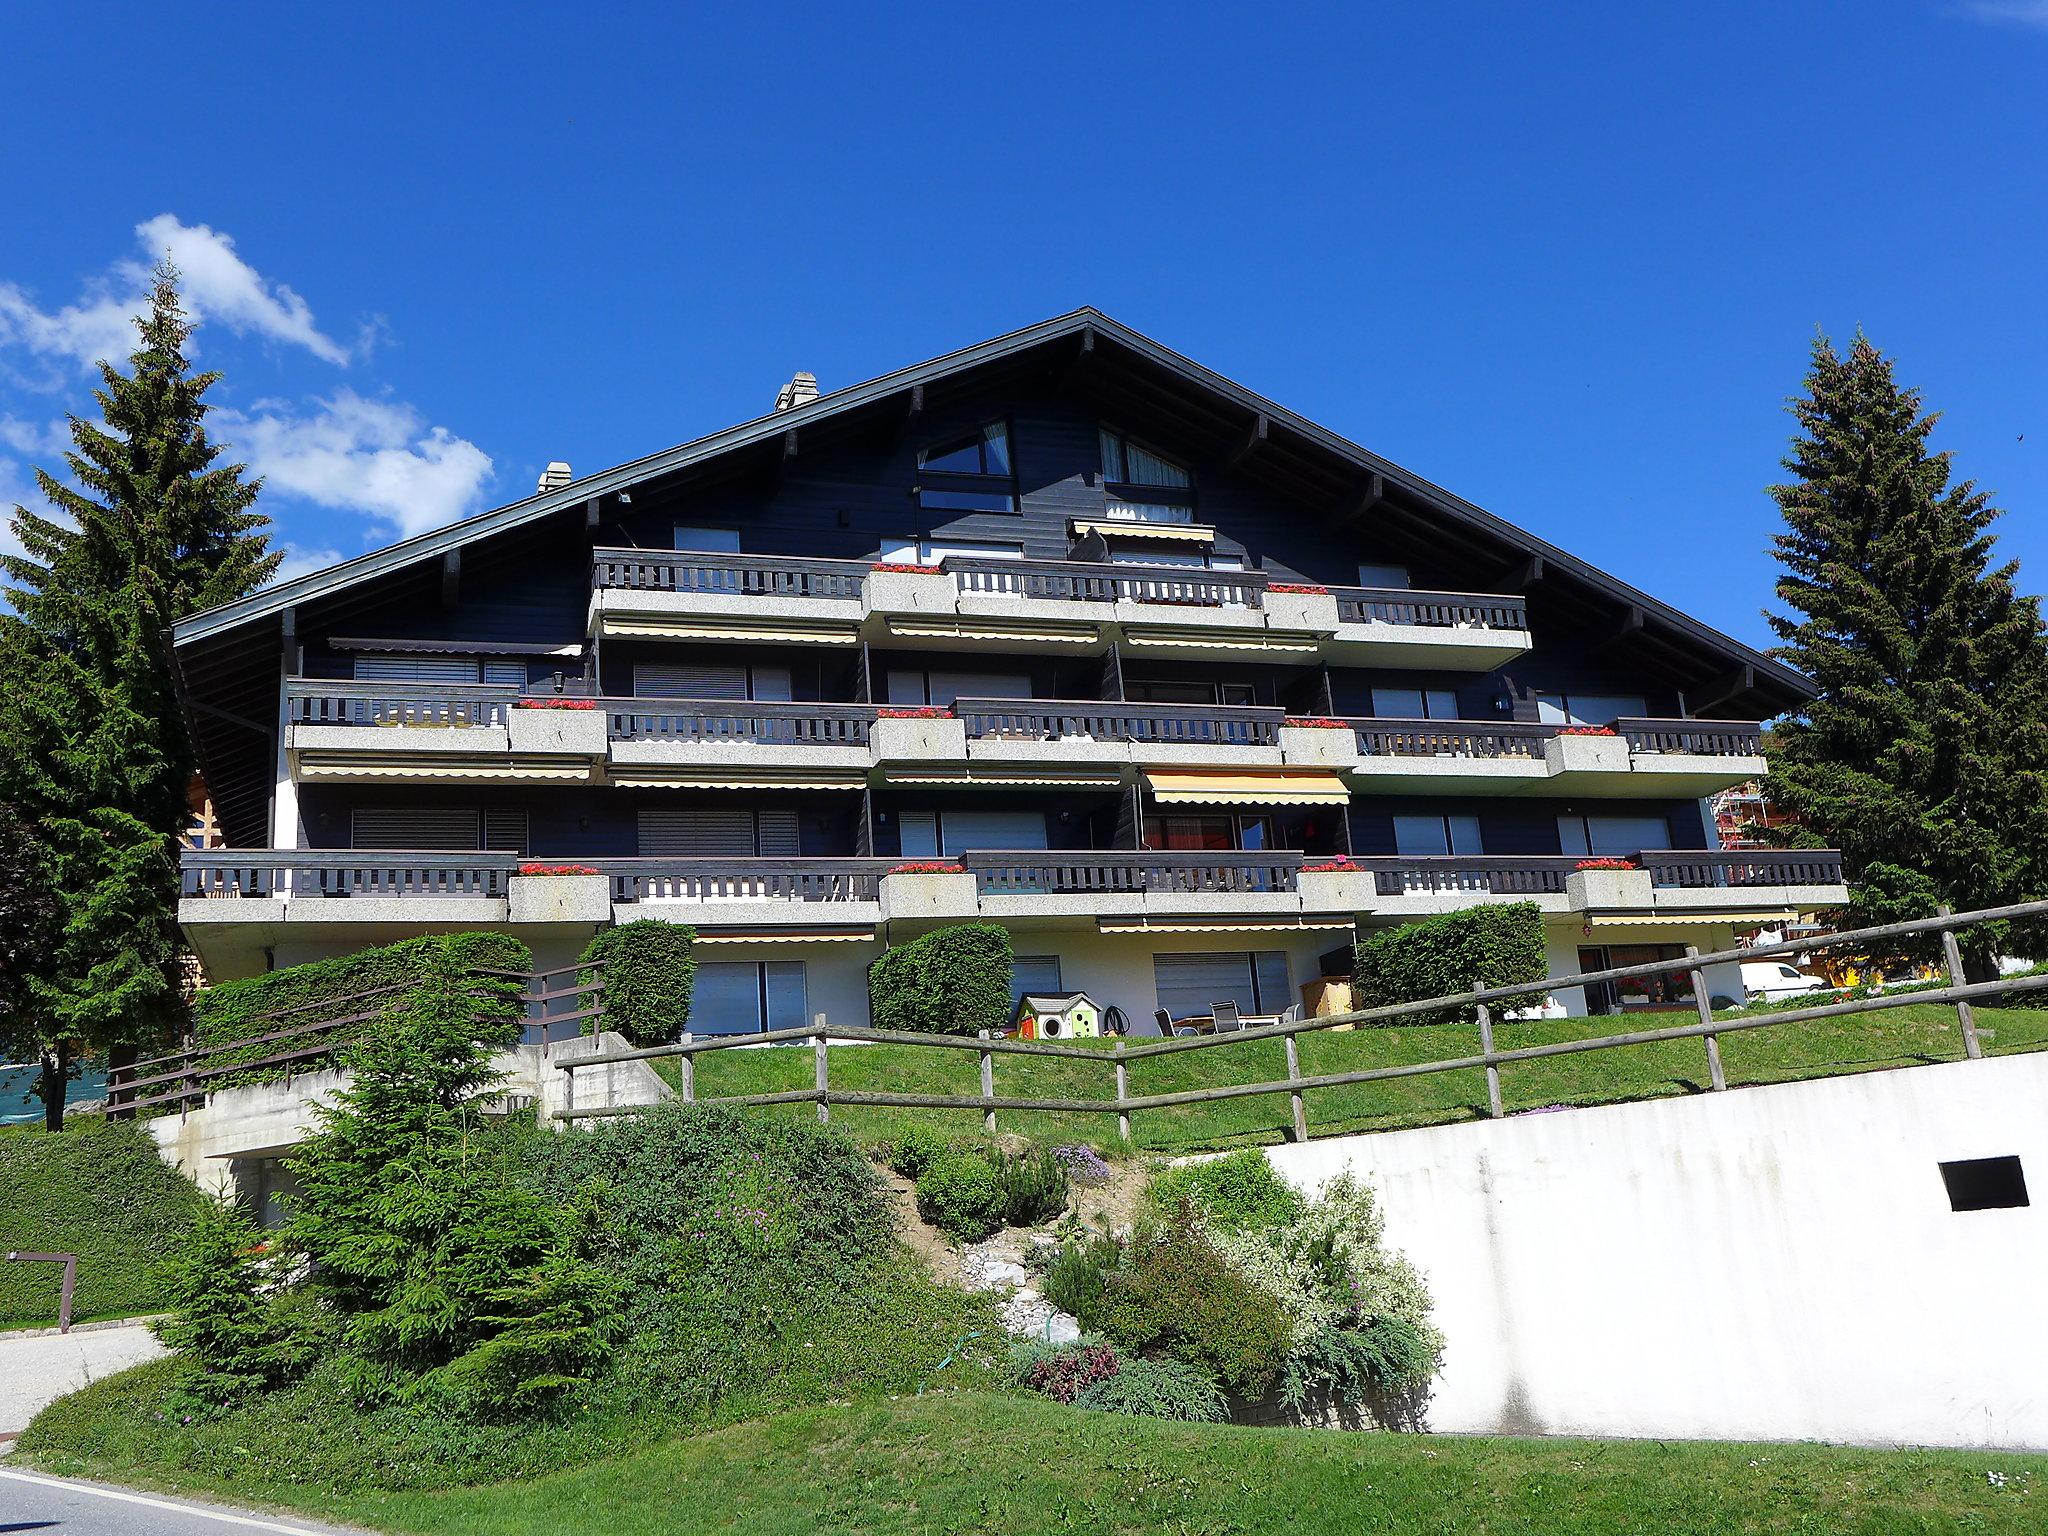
(1685, 920)
(641, 626)
(657, 778)
(968, 629)
(1136, 528)
(454, 647)
(1005, 779)
(787, 936)
(1129, 925)
(550, 769)
(1219, 639)
(1281, 786)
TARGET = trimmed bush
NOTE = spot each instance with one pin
(952, 981)
(961, 1195)
(1236, 1193)
(919, 1146)
(1156, 1389)
(1464, 951)
(649, 970)
(1033, 1186)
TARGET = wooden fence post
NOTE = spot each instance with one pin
(824, 1087)
(1123, 1091)
(988, 1084)
(688, 1072)
(1493, 1107)
(1295, 1101)
(1705, 1005)
(1965, 1015)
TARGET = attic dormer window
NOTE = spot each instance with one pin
(969, 474)
(1140, 486)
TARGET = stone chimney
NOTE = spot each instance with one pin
(801, 390)
(554, 477)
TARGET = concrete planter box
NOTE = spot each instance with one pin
(1606, 890)
(461, 740)
(560, 899)
(1314, 612)
(928, 896)
(1318, 747)
(1586, 754)
(558, 732)
(1349, 890)
(941, 739)
(903, 592)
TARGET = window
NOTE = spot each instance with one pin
(1214, 832)
(942, 688)
(969, 474)
(1588, 708)
(410, 668)
(672, 680)
(1189, 984)
(1141, 486)
(1665, 990)
(931, 551)
(438, 829)
(1426, 836)
(1609, 837)
(933, 834)
(746, 997)
(1394, 576)
(1034, 973)
(710, 541)
(717, 832)
(1414, 704)
(1154, 691)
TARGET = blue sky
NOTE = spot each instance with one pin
(1565, 260)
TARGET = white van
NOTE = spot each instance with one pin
(1770, 980)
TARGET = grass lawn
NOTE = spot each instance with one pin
(1820, 1048)
(1009, 1466)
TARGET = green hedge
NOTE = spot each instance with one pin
(1489, 946)
(332, 989)
(98, 1190)
(650, 970)
(953, 981)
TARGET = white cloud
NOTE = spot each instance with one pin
(217, 284)
(45, 440)
(299, 561)
(354, 454)
(2015, 13)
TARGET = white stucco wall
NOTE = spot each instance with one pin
(1771, 1263)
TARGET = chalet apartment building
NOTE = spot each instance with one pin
(1062, 631)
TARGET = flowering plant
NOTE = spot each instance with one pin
(557, 704)
(927, 867)
(1307, 587)
(1316, 723)
(917, 712)
(1331, 866)
(1607, 864)
(903, 569)
(558, 869)
(1585, 730)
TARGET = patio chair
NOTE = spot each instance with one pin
(1226, 1017)
(1164, 1020)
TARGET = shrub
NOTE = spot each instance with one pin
(1464, 951)
(214, 1282)
(1235, 1193)
(962, 1196)
(649, 969)
(1076, 1273)
(952, 981)
(1157, 1389)
(1177, 1296)
(918, 1146)
(1032, 1186)
(1063, 1371)
(1384, 1365)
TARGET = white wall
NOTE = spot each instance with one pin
(1771, 1263)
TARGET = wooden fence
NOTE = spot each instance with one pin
(1484, 1006)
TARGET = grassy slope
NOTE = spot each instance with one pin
(1015, 1466)
(1899, 1037)
(98, 1190)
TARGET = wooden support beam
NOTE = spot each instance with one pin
(1080, 358)
(1359, 503)
(1628, 627)
(1253, 440)
(1522, 575)
(590, 514)
(913, 408)
(451, 579)
(1711, 696)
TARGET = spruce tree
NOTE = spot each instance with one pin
(93, 748)
(1924, 755)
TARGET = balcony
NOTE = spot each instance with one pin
(665, 594)
(1084, 740)
(1400, 627)
(1134, 884)
(743, 744)
(731, 899)
(369, 732)
(1744, 878)
(1634, 759)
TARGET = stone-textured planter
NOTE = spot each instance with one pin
(1314, 612)
(928, 896)
(1318, 746)
(907, 592)
(559, 899)
(940, 739)
(558, 732)
(1608, 890)
(1586, 754)
(1336, 890)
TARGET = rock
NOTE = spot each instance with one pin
(1060, 1328)
(1002, 1272)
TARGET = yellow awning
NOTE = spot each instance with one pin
(437, 766)
(1006, 780)
(1128, 925)
(1133, 528)
(1683, 920)
(646, 627)
(1219, 639)
(646, 778)
(967, 629)
(1178, 786)
(791, 936)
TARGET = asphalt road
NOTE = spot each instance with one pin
(29, 1501)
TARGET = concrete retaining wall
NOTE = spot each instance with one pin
(1770, 1263)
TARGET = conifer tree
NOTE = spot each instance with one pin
(93, 748)
(1924, 755)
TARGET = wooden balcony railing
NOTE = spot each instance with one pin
(1692, 870)
(326, 701)
(1223, 725)
(303, 873)
(1451, 738)
(1704, 738)
(1077, 582)
(714, 880)
(768, 724)
(677, 570)
(1434, 610)
(1033, 873)
(1477, 874)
